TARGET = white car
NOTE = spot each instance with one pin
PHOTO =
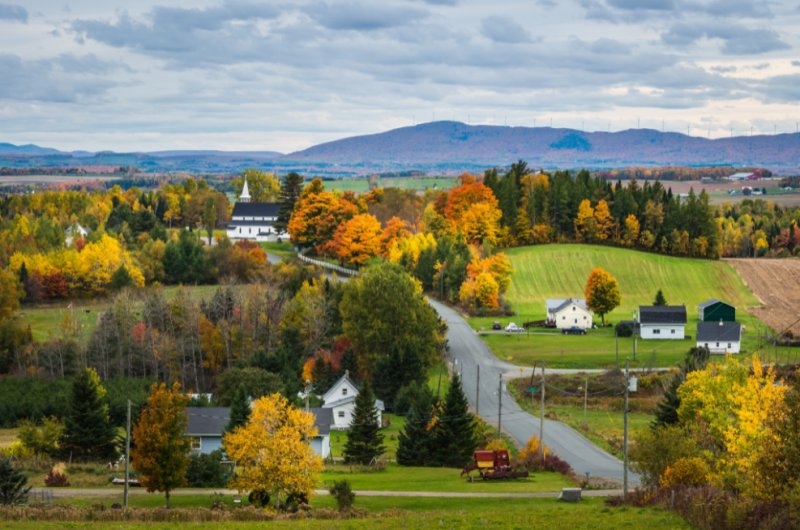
(513, 328)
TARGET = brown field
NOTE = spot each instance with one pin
(776, 283)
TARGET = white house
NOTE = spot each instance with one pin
(565, 313)
(341, 399)
(720, 337)
(206, 427)
(662, 322)
(253, 220)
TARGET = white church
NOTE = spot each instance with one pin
(254, 220)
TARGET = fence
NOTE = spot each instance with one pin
(328, 266)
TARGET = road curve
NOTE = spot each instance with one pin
(481, 374)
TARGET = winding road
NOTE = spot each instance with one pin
(481, 375)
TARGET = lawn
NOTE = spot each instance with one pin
(560, 271)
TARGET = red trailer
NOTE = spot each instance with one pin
(492, 465)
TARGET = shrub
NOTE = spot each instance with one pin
(57, 477)
(206, 471)
(624, 328)
(344, 494)
(691, 471)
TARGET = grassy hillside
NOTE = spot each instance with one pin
(560, 271)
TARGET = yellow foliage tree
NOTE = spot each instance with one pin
(161, 448)
(272, 451)
(585, 224)
(630, 235)
(358, 240)
(603, 222)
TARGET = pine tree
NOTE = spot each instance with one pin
(13, 489)
(291, 187)
(415, 441)
(240, 408)
(660, 300)
(88, 432)
(454, 435)
(364, 439)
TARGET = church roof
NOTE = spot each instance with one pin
(256, 209)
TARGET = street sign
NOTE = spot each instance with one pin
(533, 389)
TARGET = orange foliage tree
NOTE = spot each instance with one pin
(358, 240)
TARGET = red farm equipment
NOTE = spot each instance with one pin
(492, 465)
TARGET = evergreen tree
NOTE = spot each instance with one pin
(240, 408)
(13, 489)
(415, 441)
(667, 408)
(660, 300)
(88, 432)
(454, 435)
(291, 188)
(364, 439)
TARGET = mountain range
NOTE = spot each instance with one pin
(453, 147)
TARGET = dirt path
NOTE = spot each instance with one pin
(776, 283)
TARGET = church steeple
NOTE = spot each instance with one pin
(245, 196)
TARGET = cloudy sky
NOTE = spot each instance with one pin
(284, 75)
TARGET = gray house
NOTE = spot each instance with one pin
(715, 310)
(206, 427)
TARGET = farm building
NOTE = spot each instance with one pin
(564, 313)
(341, 400)
(207, 425)
(720, 337)
(253, 220)
(715, 310)
(665, 322)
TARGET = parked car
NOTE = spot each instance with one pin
(575, 330)
(513, 328)
(496, 325)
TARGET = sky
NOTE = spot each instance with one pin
(150, 75)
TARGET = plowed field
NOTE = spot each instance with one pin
(776, 283)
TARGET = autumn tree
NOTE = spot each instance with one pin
(364, 438)
(602, 292)
(585, 223)
(358, 240)
(630, 233)
(272, 451)
(263, 186)
(161, 448)
(603, 222)
(11, 292)
(88, 433)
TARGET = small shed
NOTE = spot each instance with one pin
(715, 310)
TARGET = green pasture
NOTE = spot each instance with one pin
(560, 271)
(361, 185)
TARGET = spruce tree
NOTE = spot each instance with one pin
(291, 188)
(415, 441)
(364, 439)
(454, 435)
(660, 300)
(240, 408)
(88, 432)
(13, 484)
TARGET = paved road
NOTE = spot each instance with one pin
(473, 360)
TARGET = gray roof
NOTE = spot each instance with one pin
(256, 209)
(713, 301)
(207, 421)
(719, 331)
(662, 314)
(555, 305)
(211, 421)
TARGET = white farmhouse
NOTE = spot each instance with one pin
(341, 399)
(565, 313)
(253, 220)
(662, 322)
(720, 337)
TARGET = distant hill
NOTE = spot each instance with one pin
(448, 144)
(452, 147)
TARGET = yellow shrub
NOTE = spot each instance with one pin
(691, 471)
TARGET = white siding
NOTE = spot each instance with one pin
(663, 331)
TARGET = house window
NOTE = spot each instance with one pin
(729, 345)
(706, 345)
(672, 331)
(718, 345)
(656, 332)
(341, 414)
(344, 391)
(196, 443)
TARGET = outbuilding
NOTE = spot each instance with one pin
(714, 310)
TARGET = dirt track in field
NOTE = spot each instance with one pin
(776, 283)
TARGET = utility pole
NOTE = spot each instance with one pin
(127, 456)
(541, 421)
(477, 389)
(499, 405)
(585, 397)
(625, 437)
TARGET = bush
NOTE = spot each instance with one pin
(624, 328)
(57, 476)
(691, 471)
(344, 494)
(206, 471)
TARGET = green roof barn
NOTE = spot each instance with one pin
(715, 310)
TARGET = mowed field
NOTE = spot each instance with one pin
(776, 283)
(560, 271)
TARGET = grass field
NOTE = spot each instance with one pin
(560, 271)
(361, 185)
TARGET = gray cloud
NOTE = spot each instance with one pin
(736, 39)
(13, 12)
(52, 80)
(364, 17)
(504, 29)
